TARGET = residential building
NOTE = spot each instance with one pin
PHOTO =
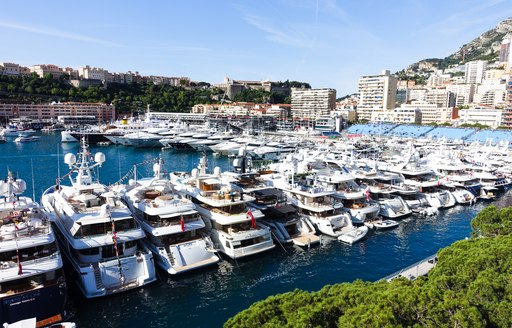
(13, 69)
(475, 71)
(376, 92)
(430, 113)
(311, 103)
(438, 79)
(43, 69)
(491, 117)
(491, 93)
(505, 51)
(417, 94)
(102, 112)
(441, 97)
(463, 93)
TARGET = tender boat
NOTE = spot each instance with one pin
(32, 283)
(354, 235)
(97, 233)
(27, 138)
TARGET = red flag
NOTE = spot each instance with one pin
(182, 223)
(114, 239)
(253, 220)
(367, 193)
(20, 269)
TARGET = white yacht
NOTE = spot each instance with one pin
(232, 224)
(175, 231)
(314, 201)
(418, 175)
(283, 219)
(97, 233)
(32, 282)
(356, 200)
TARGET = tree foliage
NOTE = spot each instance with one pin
(130, 97)
(471, 286)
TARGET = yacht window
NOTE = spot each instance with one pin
(109, 251)
(22, 284)
(89, 251)
(30, 253)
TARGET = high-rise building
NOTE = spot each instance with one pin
(311, 103)
(376, 92)
(475, 71)
(505, 53)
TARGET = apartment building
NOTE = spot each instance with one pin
(376, 92)
(312, 103)
(463, 93)
(483, 115)
(102, 112)
(475, 71)
(13, 69)
(43, 69)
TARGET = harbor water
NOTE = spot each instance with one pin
(207, 298)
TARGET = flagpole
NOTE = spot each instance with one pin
(33, 185)
(20, 269)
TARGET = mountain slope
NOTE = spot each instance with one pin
(484, 47)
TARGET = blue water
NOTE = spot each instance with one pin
(209, 297)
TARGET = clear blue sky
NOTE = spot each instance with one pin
(327, 43)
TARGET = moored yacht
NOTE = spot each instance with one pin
(97, 233)
(32, 282)
(175, 231)
(232, 224)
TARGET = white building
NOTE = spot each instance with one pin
(405, 114)
(430, 113)
(438, 79)
(312, 103)
(491, 117)
(441, 97)
(475, 71)
(418, 94)
(102, 112)
(376, 92)
(463, 93)
(491, 93)
(92, 73)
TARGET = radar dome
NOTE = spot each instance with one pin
(99, 157)
(195, 173)
(70, 159)
(216, 171)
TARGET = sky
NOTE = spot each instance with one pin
(327, 43)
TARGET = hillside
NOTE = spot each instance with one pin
(469, 287)
(484, 47)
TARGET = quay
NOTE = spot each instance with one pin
(415, 270)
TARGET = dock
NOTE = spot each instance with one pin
(415, 270)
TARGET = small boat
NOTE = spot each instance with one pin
(385, 224)
(353, 236)
(25, 138)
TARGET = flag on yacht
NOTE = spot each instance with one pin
(367, 193)
(20, 269)
(253, 220)
(182, 223)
